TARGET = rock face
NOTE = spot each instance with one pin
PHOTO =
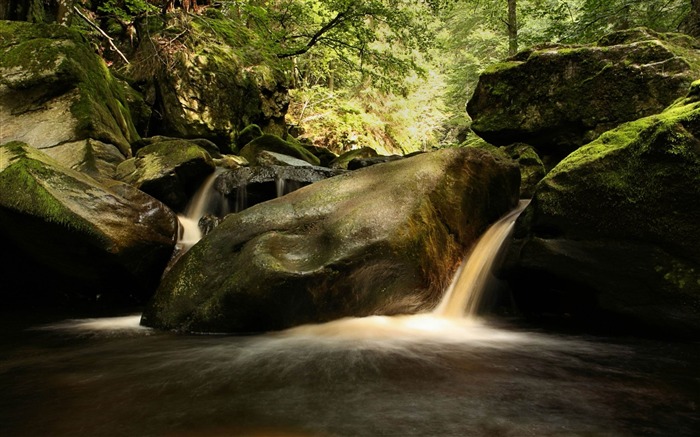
(212, 86)
(559, 98)
(168, 170)
(68, 237)
(54, 89)
(614, 227)
(380, 240)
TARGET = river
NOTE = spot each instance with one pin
(378, 376)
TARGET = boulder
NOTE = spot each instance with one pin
(248, 186)
(381, 240)
(343, 160)
(532, 170)
(54, 89)
(614, 228)
(92, 157)
(273, 143)
(213, 85)
(68, 237)
(171, 170)
(560, 97)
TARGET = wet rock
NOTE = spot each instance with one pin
(273, 143)
(170, 171)
(68, 237)
(380, 240)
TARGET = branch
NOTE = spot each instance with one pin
(336, 21)
(96, 27)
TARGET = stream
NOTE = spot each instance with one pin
(378, 376)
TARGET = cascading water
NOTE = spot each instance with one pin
(199, 205)
(467, 288)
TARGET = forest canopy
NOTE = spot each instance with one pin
(391, 74)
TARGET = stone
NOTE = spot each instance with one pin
(558, 98)
(171, 171)
(343, 160)
(381, 240)
(70, 238)
(613, 229)
(273, 143)
(55, 90)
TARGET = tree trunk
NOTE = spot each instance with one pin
(512, 28)
(691, 23)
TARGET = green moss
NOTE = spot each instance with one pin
(57, 59)
(273, 143)
(23, 171)
(248, 134)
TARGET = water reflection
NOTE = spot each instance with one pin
(377, 376)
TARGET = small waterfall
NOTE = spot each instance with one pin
(280, 185)
(199, 205)
(464, 294)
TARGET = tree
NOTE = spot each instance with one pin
(49, 11)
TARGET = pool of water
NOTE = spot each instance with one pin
(377, 376)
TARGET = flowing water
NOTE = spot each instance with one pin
(423, 375)
(200, 204)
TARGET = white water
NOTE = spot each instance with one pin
(464, 294)
(199, 205)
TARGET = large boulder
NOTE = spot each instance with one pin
(558, 98)
(614, 227)
(381, 240)
(68, 237)
(212, 86)
(54, 89)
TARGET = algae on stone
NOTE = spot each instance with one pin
(54, 89)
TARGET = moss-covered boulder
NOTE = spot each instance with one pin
(92, 157)
(67, 237)
(248, 134)
(532, 170)
(560, 97)
(54, 89)
(214, 84)
(344, 159)
(615, 227)
(169, 170)
(381, 240)
(273, 143)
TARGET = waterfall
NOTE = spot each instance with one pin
(280, 185)
(467, 288)
(199, 205)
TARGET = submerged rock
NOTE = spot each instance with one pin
(54, 89)
(69, 237)
(559, 98)
(380, 240)
(614, 227)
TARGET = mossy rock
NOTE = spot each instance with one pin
(559, 98)
(216, 85)
(170, 171)
(68, 237)
(532, 169)
(247, 135)
(55, 89)
(91, 157)
(380, 240)
(344, 159)
(614, 227)
(273, 143)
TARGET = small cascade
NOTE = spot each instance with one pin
(200, 204)
(280, 184)
(467, 288)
